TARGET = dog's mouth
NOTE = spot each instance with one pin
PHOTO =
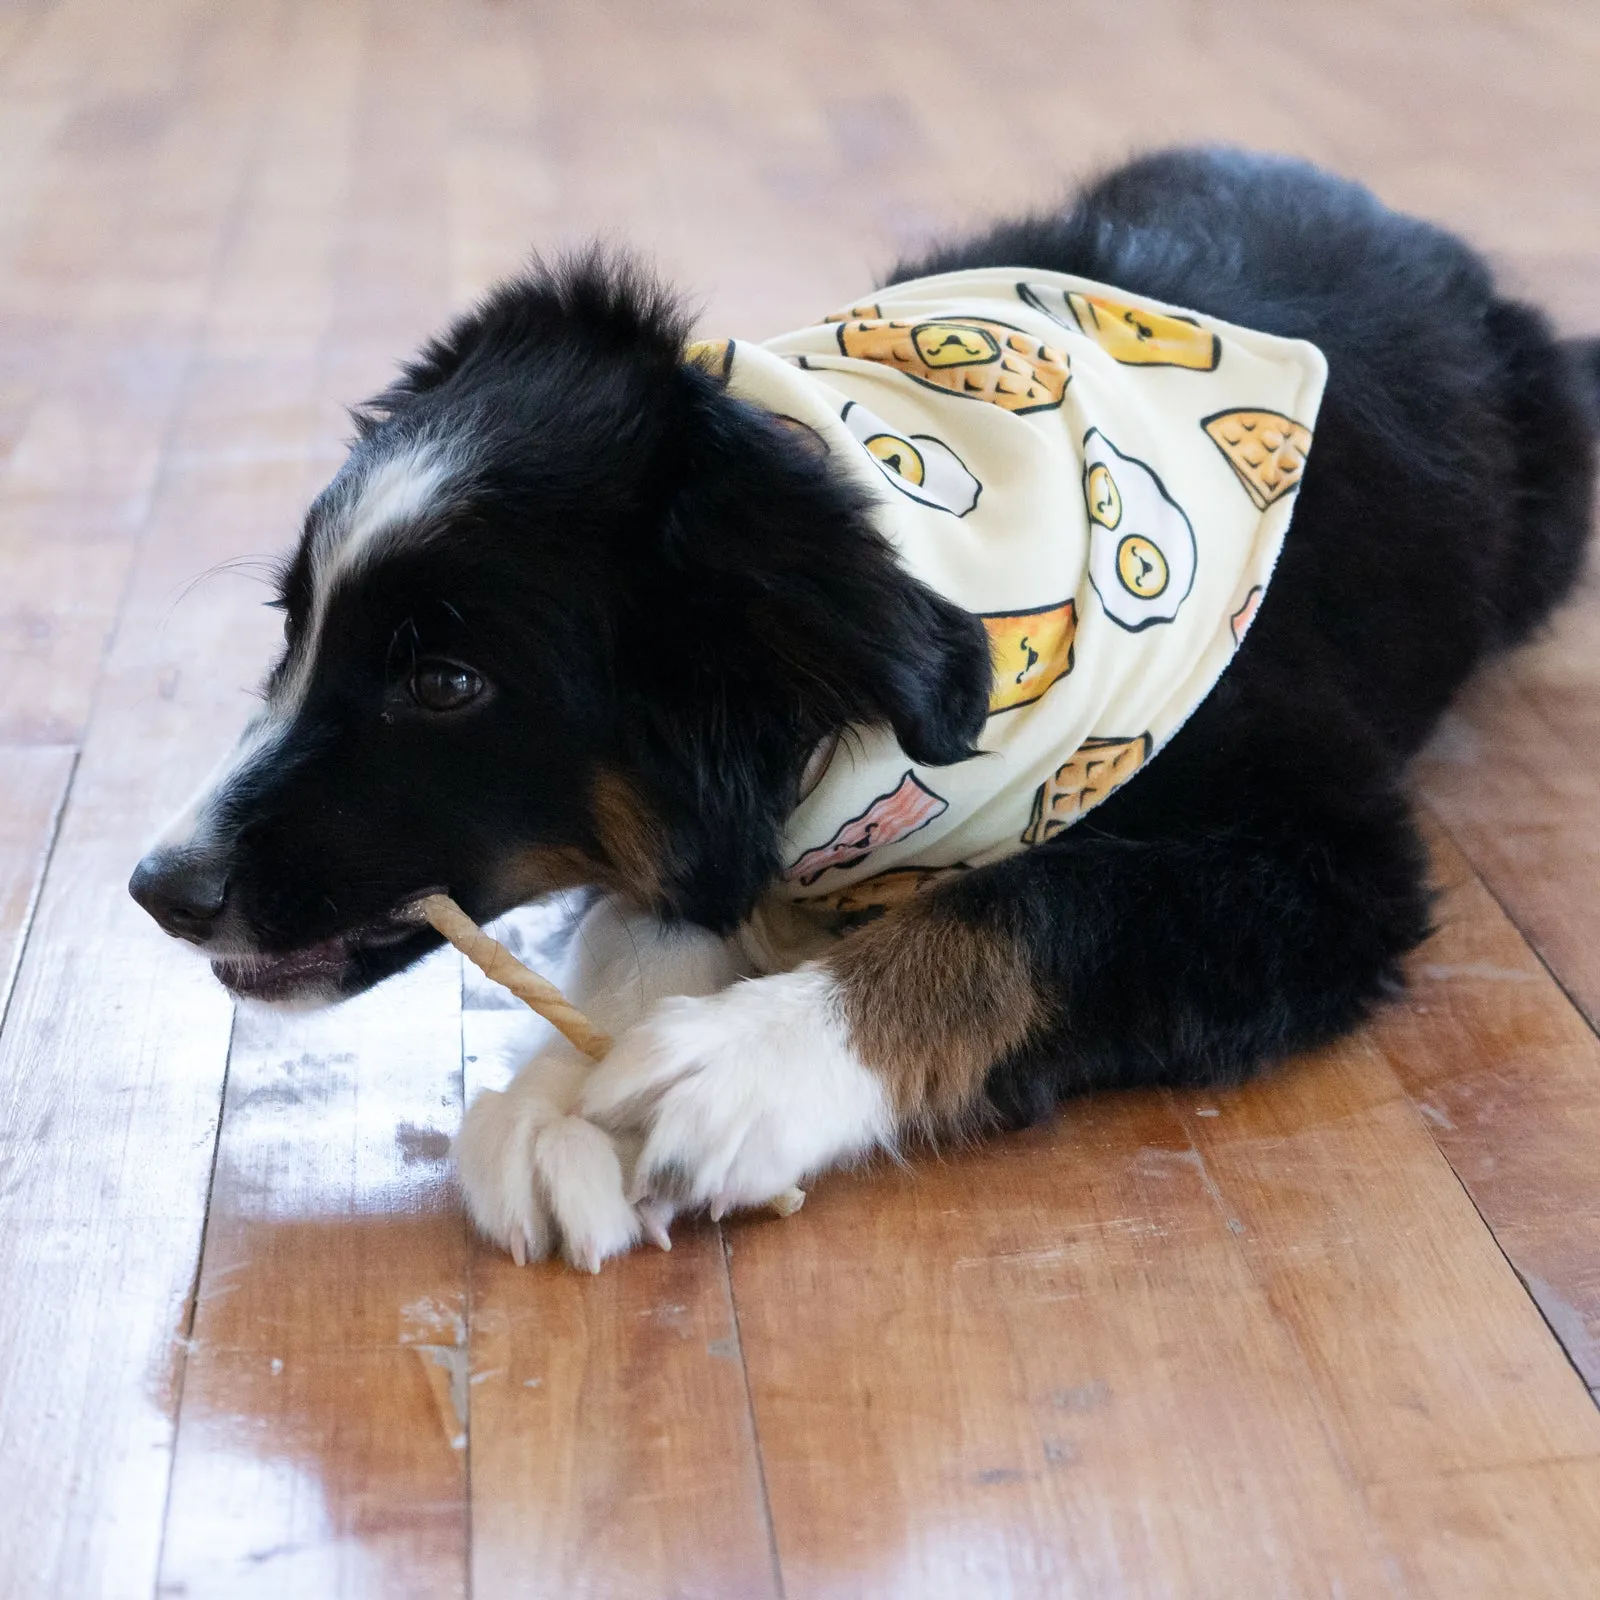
(340, 964)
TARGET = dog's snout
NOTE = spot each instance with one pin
(183, 890)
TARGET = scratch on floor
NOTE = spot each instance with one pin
(1440, 1119)
(445, 1367)
(1156, 1155)
(1480, 969)
(427, 1321)
(438, 1335)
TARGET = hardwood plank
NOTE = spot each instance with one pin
(1167, 1364)
(33, 786)
(321, 1472)
(1427, 1356)
(335, 1253)
(1514, 777)
(1039, 1368)
(170, 265)
(612, 1447)
(111, 1066)
(321, 1444)
(112, 1058)
(101, 302)
(1507, 1074)
(1527, 1530)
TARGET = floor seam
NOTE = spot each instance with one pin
(186, 1338)
(1591, 1025)
(30, 912)
(750, 1412)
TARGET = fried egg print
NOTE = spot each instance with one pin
(917, 464)
(1141, 545)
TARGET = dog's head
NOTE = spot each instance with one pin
(570, 614)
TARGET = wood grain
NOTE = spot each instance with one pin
(115, 1048)
(1514, 776)
(1039, 1369)
(1175, 1354)
(1426, 1355)
(134, 140)
(612, 1446)
(331, 1314)
(1507, 1076)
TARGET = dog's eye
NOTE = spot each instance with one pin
(444, 685)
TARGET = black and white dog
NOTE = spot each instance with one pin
(571, 615)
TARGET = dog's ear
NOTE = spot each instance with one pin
(821, 602)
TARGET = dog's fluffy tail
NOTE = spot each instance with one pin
(1551, 396)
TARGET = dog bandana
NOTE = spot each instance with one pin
(1106, 482)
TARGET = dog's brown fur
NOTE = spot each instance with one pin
(933, 1001)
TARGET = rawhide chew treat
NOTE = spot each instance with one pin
(498, 965)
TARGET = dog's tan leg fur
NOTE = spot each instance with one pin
(932, 1003)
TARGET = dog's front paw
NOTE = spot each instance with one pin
(736, 1097)
(538, 1179)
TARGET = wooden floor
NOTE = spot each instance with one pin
(1332, 1335)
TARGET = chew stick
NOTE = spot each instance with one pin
(498, 965)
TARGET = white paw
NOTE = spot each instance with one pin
(538, 1179)
(737, 1096)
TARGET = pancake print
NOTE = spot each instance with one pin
(909, 806)
(1031, 650)
(918, 465)
(1141, 545)
(1135, 335)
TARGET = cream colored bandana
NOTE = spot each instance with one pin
(1105, 482)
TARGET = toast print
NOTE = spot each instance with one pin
(1031, 650)
(1135, 335)
(713, 357)
(1141, 543)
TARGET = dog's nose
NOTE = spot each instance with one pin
(183, 890)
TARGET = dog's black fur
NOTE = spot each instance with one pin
(1253, 892)
(664, 586)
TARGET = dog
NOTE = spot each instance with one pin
(575, 615)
